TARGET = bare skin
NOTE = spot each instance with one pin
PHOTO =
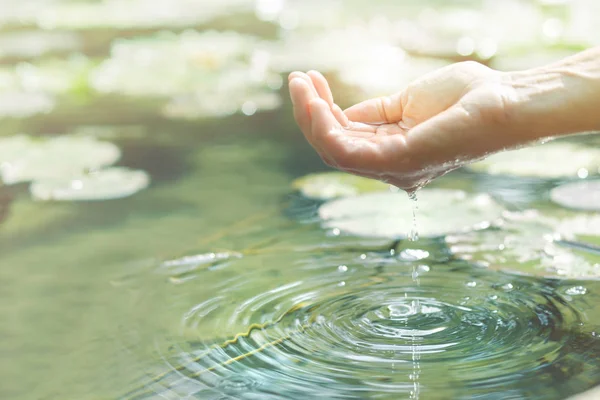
(450, 117)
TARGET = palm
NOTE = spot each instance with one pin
(405, 139)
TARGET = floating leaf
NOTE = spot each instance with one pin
(586, 226)
(440, 212)
(24, 159)
(124, 14)
(202, 73)
(51, 76)
(33, 44)
(549, 160)
(187, 62)
(528, 244)
(105, 184)
(19, 104)
(220, 104)
(578, 195)
(329, 185)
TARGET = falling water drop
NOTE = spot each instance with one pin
(414, 233)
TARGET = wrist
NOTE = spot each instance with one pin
(559, 99)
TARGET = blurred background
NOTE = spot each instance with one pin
(134, 131)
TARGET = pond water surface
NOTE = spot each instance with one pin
(220, 281)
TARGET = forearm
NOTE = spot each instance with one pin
(558, 99)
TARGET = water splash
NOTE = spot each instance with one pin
(391, 330)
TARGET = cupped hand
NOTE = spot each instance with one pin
(439, 122)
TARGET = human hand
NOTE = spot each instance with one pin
(439, 122)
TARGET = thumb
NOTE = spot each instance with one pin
(381, 110)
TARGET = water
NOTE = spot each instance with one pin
(218, 282)
(367, 339)
(413, 236)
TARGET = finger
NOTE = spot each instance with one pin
(324, 92)
(340, 116)
(347, 151)
(381, 110)
(295, 74)
(301, 96)
(306, 79)
(322, 87)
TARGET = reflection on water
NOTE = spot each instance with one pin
(218, 281)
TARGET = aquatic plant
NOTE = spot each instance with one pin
(67, 168)
(541, 161)
(578, 195)
(103, 184)
(202, 73)
(329, 185)
(440, 212)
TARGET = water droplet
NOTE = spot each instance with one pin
(471, 284)
(583, 173)
(249, 108)
(414, 255)
(363, 256)
(424, 268)
(508, 287)
(414, 233)
(76, 184)
(576, 291)
(342, 268)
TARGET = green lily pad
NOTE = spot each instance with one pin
(186, 63)
(580, 227)
(440, 212)
(221, 104)
(529, 243)
(128, 14)
(24, 159)
(549, 160)
(329, 185)
(50, 76)
(203, 74)
(578, 195)
(20, 104)
(105, 184)
(31, 44)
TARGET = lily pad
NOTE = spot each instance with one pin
(105, 184)
(529, 243)
(580, 227)
(24, 159)
(578, 195)
(221, 104)
(329, 185)
(440, 212)
(549, 160)
(31, 44)
(123, 14)
(203, 74)
(20, 104)
(187, 62)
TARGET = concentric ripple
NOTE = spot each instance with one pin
(361, 330)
